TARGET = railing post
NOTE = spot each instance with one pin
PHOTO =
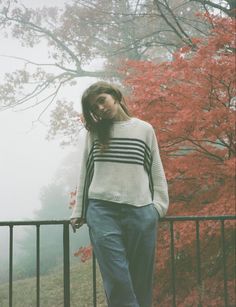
(38, 265)
(224, 262)
(198, 256)
(10, 265)
(94, 282)
(66, 263)
(172, 254)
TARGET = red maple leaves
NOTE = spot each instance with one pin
(191, 103)
(84, 253)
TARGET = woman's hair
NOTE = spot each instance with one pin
(92, 122)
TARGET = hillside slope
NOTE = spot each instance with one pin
(51, 289)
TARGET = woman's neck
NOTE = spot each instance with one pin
(121, 115)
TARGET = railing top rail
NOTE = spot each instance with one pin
(199, 218)
(34, 222)
(165, 219)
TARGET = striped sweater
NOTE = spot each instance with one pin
(128, 171)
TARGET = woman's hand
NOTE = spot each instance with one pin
(76, 223)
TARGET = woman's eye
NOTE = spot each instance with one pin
(101, 101)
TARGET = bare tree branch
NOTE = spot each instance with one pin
(164, 16)
(49, 34)
(228, 11)
(177, 23)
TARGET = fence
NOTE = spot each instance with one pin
(66, 254)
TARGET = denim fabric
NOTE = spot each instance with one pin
(124, 238)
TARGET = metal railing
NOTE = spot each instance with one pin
(197, 220)
(66, 254)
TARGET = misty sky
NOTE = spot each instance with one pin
(27, 161)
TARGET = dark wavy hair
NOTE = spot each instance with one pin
(93, 123)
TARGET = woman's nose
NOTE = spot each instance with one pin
(100, 107)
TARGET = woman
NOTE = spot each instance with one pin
(122, 193)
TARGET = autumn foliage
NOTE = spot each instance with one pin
(84, 253)
(191, 103)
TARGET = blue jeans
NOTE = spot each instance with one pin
(124, 239)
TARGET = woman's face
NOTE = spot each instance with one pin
(104, 106)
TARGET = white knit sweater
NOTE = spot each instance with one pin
(129, 171)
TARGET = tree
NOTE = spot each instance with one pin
(191, 103)
(81, 32)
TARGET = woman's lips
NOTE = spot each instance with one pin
(105, 113)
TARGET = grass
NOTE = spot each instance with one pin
(51, 289)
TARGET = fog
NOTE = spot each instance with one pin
(27, 160)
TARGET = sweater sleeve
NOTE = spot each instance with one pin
(77, 210)
(160, 198)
